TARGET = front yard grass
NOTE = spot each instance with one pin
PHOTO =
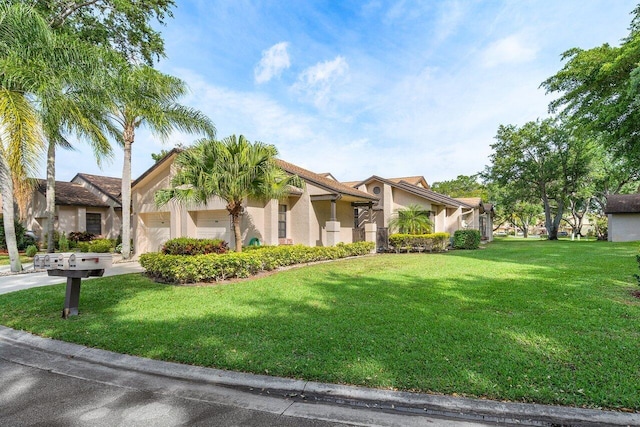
(531, 321)
(4, 259)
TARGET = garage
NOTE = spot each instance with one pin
(157, 229)
(213, 225)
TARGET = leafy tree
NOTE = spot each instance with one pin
(462, 186)
(509, 208)
(233, 169)
(125, 26)
(142, 96)
(599, 90)
(540, 161)
(414, 219)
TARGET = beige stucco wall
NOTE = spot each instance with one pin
(344, 215)
(624, 227)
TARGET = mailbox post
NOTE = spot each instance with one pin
(75, 267)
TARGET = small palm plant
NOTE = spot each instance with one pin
(414, 219)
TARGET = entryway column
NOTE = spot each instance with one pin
(370, 234)
(333, 232)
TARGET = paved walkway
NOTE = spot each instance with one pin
(306, 401)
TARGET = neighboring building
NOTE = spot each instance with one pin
(320, 214)
(447, 214)
(481, 218)
(88, 203)
(623, 214)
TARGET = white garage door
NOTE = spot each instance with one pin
(213, 225)
(157, 229)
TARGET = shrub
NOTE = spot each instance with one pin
(56, 239)
(215, 267)
(81, 236)
(31, 251)
(466, 239)
(22, 239)
(419, 242)
(63, 243)
(191, 246)
(100, 246)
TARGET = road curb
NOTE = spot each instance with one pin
(385, 400)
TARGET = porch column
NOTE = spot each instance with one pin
(333, 232)
(333, 210)
(370, 234)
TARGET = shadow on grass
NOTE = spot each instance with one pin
(512, 332)
(529, 321)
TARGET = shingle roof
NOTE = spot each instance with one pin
(623, 203)
(110, 186)
(71, 194)
(324, 182)
(419, 191)
(414, 180)
(471, 201)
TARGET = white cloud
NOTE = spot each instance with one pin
(274, 60)
(513, 49)
(317, 82)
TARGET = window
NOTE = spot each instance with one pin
(94, 223)
(282, 221)
(376, 190)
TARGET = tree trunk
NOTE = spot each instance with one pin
(51, 196)
(235, 220)
(548, 221)
(126, 193)
(8, 216)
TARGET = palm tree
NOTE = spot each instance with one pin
(414, 219)
(144, 96)
(25, 47)
(75, 102)
(233, 169)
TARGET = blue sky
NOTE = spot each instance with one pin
(357, 88)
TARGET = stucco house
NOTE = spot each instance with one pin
(447, 214)
(481, 218)
(87, 203)
(623, 214)
(320, 214)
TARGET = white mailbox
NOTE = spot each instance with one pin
(55, 261)
(90, 261)
(38, 261)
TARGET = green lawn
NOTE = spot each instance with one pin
(533, 321)
(4, 259)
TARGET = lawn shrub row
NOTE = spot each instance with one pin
(419, 242)
(192, 246)
(466, 239)
(215, 267)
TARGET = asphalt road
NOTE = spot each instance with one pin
(35, 397)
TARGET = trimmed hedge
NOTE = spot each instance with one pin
(192, 246)
(466, 239)
(419, 242)
(100, 246)
(215, 267)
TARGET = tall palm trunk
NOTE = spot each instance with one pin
(8, 217)
(129, 135)
(51, 196)
(235, 209)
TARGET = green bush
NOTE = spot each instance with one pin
(419, 242)
(191, 246)
(215, 267)
(22, 239)
(466, 239)
(100, 246)
(63, 243)
(31, 251)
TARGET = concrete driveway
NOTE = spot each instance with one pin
(26, 279)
